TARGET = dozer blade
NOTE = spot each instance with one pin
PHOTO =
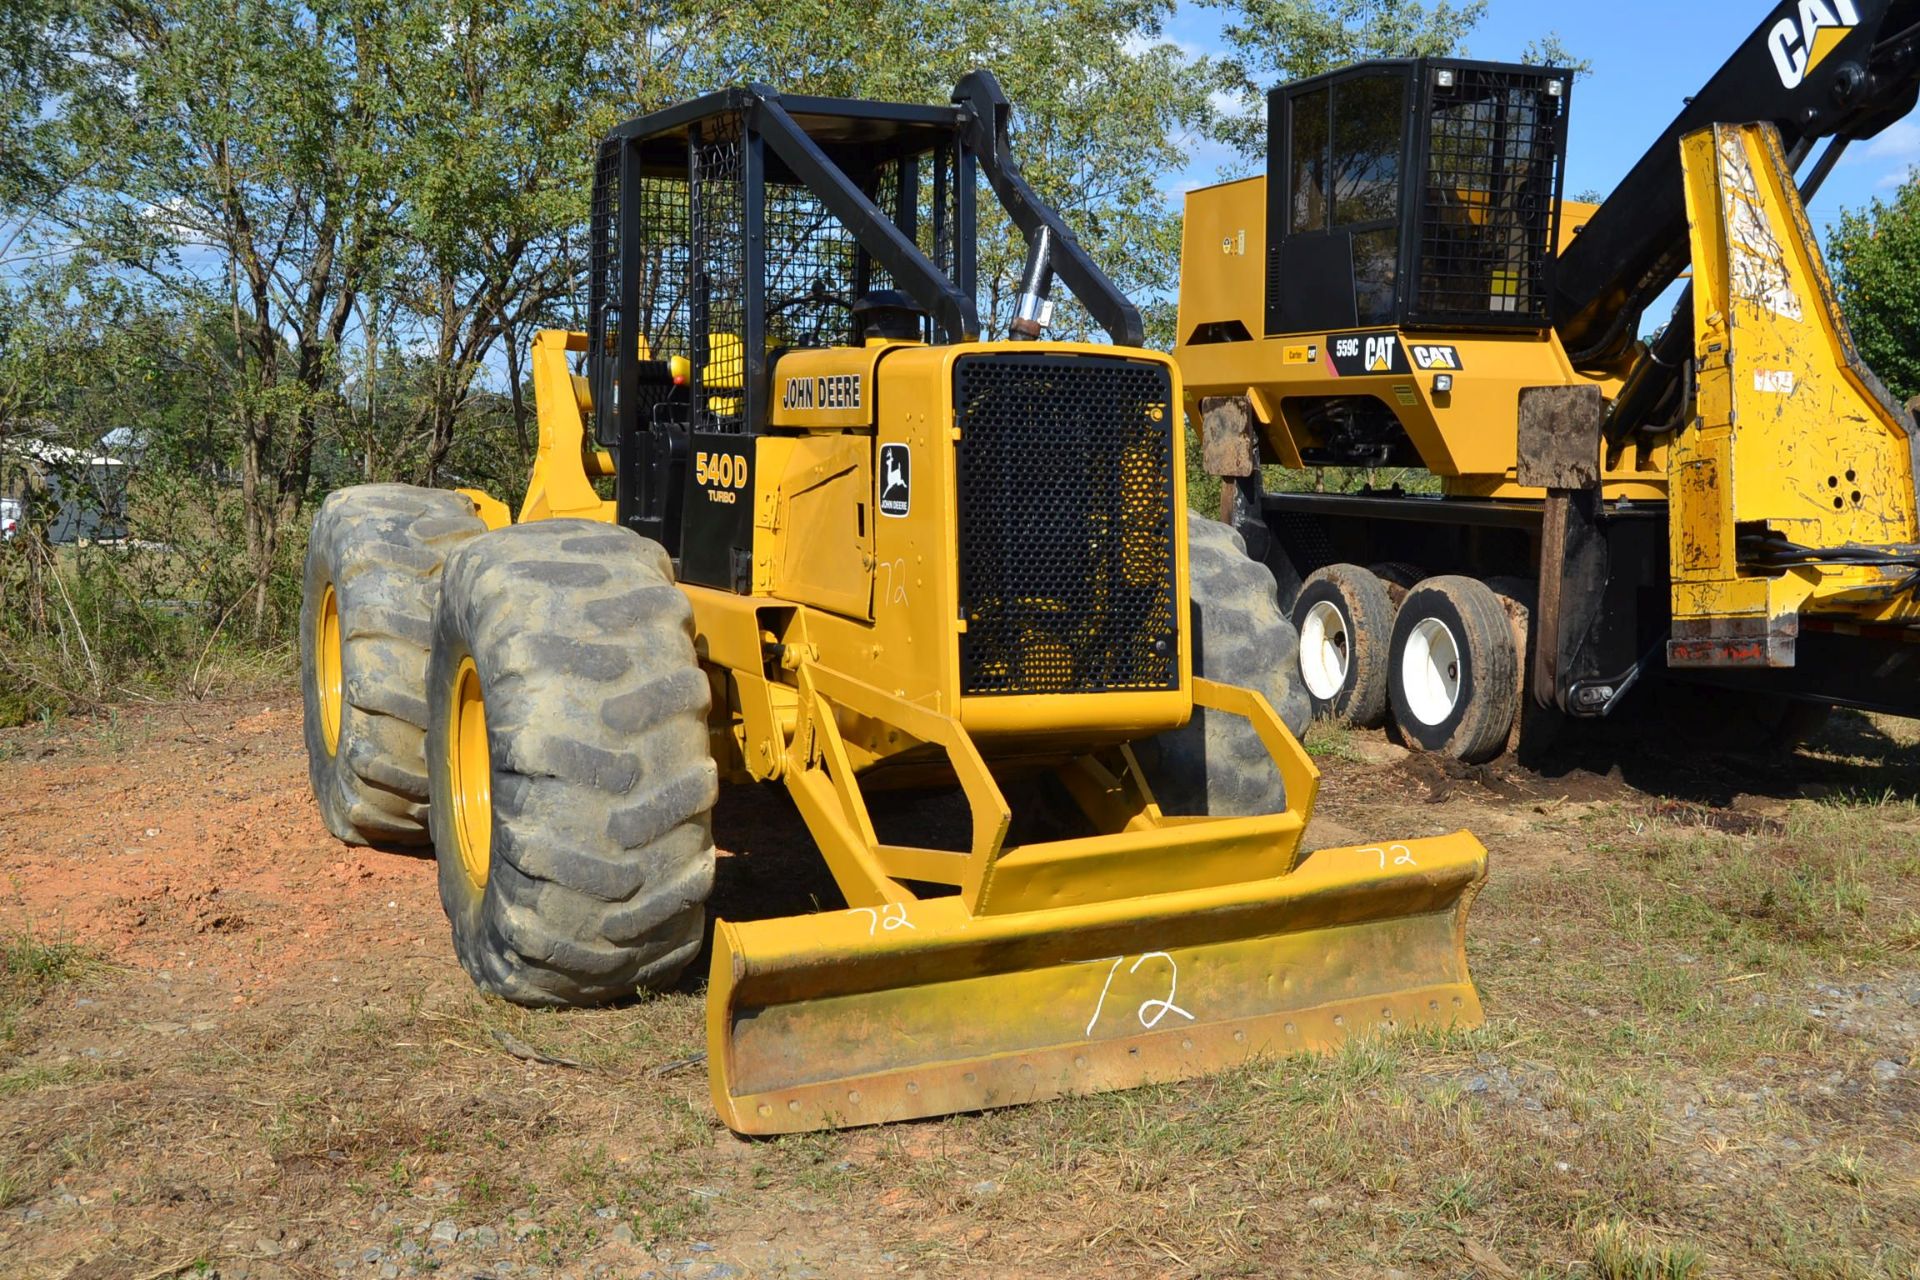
(891, 1013)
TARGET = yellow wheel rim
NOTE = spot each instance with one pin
(326, 668)
(471, 766)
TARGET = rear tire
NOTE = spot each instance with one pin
(1217, 765)
(575, 846)
(1344, 616)
(1454, 670)
(366, 621)
(1536, 729)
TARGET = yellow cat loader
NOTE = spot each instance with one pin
(794, 521)
(1730, 504)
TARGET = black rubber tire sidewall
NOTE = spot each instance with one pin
(463, 903)
(602, 853)
(1478, 727)
(1217, 764)
(381, 548)
(1368, 612)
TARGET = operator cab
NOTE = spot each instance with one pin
(754, 255)
(1416, 193)
(718, 249)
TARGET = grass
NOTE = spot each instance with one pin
(1651, 1098)
(1622, 1252)
(1326, 740)
(30, 966)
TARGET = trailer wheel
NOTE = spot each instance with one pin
(1536, 729)
(1344, 615)
(1454, 670)
(1217, 764)
(572, 782)
(366, 620)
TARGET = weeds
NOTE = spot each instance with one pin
(1327, 740)
(1848, 1167)
(29, 965)
(86, 625)
(1621, 1253)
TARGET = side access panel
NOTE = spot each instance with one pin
(716, 529)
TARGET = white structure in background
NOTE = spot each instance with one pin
(86, 490)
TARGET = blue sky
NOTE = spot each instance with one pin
(1647, 55)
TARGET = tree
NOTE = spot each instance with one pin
(1875, 253)
(510, 101)
(1280, 40)
(1550, 51)
(247, 159)
(306, 242)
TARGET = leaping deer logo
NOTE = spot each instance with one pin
(894, 493)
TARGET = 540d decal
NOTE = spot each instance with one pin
(721, 475)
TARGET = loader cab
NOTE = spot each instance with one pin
(1416, 193)
(755, 255)
(723, 238)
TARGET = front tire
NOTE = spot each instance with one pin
(1454, 670)
(1217, 765)
(366, 620)
(571, 778)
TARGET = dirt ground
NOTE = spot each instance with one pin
(231, 1046)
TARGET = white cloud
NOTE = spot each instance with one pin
(1228, 104)
(1136, 44)
(1894, 151)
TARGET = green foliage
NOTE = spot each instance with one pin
(89, 622)
(1875, 254)
(287, 245)
(29, 967)
(1550, 51)
(30, 963)
(1274, 41)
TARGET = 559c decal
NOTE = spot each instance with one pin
(1355, 355)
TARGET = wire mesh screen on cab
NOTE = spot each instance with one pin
(691, 226)
(1066, 525)
(1492, 190)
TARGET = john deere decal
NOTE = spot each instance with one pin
(896, 476)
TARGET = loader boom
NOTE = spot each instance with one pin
(1731, 501)
(1831, 69)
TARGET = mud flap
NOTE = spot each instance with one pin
(919, 1009)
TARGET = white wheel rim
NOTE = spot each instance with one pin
(1430, 672)
(1326, 650)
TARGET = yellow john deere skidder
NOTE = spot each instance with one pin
(853, 546)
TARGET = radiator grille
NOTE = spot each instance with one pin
(1067, 544)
